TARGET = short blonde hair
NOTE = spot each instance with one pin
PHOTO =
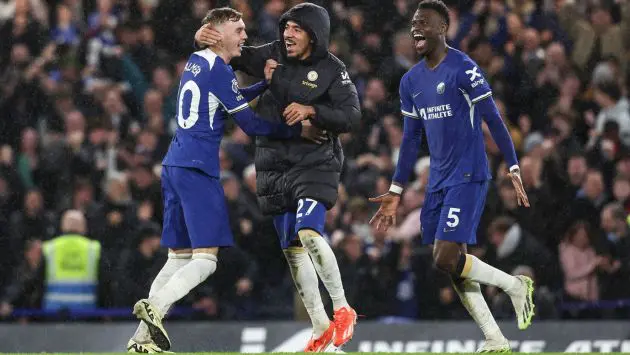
(216, 17)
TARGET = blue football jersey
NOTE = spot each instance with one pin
(444, 99)
(208, 94)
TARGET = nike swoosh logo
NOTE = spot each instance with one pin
(416, 94)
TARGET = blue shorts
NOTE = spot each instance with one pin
(453, 213)
(195, 214)
(310, 215)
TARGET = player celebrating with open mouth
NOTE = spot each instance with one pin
(446, 95)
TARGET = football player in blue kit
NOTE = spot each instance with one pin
(446, 96)
(196, 222)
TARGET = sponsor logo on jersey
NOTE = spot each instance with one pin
(235, 86)
(436, 112)
(474, 74)
(309, 84)
(345, 78)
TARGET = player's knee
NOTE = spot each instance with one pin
(296, 256)
(445, 262)
(307, 236)
(206, 263)
(295, 243)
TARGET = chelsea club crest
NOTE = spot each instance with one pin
(440, 88)
(312, 75)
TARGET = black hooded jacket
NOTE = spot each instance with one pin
(288, 170)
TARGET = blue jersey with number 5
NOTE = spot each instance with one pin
(208, 94)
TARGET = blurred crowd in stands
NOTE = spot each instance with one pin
(88, 94)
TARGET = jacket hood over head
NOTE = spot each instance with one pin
(313, 19)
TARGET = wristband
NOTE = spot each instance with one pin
(514, 168)
(395, 189)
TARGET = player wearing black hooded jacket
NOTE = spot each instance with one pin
(297, 180)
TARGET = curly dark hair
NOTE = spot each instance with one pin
(438, 6)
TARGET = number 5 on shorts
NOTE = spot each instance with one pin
(452, 218)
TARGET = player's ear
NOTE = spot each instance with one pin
(443, 28)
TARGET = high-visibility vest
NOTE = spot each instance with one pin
(72, 263)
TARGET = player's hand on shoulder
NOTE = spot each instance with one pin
(313, 133)
(270, 67)
(208, 36)
(295, 113)
(385, 217)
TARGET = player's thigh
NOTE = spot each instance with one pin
(310, 214)
(430, 216)
(461, 212)
(174, 231)
(205, 211)
(285, 228)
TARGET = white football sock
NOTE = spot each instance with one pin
(184, 280)
(173, 263)
(307, 284)
(325, 263)
(477, 270)
(470, 294)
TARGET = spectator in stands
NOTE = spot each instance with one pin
(589, 199)
(512, 246)
(72, 272)
(28, 158)
(579, 263)
(596, 37)
(544, 299)
(32, 223)
(119, 220)
(139, 265)
(376, 285)
(614, 223)
(23, 292)
(268, 20)
(614, 107)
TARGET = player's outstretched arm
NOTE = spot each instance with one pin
(254, 125)
(253, 91)
(385, 217)
(501, 136)
(252, 59)
(343, 114)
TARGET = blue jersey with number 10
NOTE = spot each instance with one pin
(444, 100)
(208, 94)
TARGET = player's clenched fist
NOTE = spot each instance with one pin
(208, 36)
(385, 217)
(270, 67)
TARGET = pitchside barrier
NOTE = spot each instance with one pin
(255, 337)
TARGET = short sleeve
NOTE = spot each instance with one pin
(407, 107)
(471, 81)
(225, 88)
